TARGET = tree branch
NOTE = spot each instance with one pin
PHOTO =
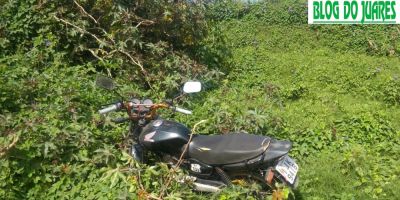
(115, 49)
(173, 170)
(95, 21)
(86, 13)
(3, 151)
(81, 30)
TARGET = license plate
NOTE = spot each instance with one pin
(288, 168)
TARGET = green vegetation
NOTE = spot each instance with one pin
(332, 90)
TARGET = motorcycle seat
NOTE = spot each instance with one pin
(228, 148)
(277, 149)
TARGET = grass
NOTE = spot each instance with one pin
(291, 83)
(324, 173)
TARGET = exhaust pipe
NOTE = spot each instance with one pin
(203, 185)
(205, 188)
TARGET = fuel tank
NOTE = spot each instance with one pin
(164, 136)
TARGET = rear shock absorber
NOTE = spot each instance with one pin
(224, 177)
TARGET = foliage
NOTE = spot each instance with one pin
(227, 9)
(53, 143)
(332, 90)
(332, 93)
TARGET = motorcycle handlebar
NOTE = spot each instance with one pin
(118, 105)
(110, 108)
(184, 111)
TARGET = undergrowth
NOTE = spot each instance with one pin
(332, 90)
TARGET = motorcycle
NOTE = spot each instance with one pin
(212, 161)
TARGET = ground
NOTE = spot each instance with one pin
(332, 101)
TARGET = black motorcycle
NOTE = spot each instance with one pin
(213, 161)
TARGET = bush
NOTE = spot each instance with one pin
(53, 144)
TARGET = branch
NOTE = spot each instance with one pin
(95, 21)
(81, 30)
(95, 55)
(145, 22)
(86, 13)
(102, 42)
(101, 59)
(179, 161)
(3, 151)
(136, 62)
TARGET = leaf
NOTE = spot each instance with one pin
(114, 179)
(48, 146)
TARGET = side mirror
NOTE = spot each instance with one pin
(105, 82)
(191, 87)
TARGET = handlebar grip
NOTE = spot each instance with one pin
(184, 111)
(111, 108)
